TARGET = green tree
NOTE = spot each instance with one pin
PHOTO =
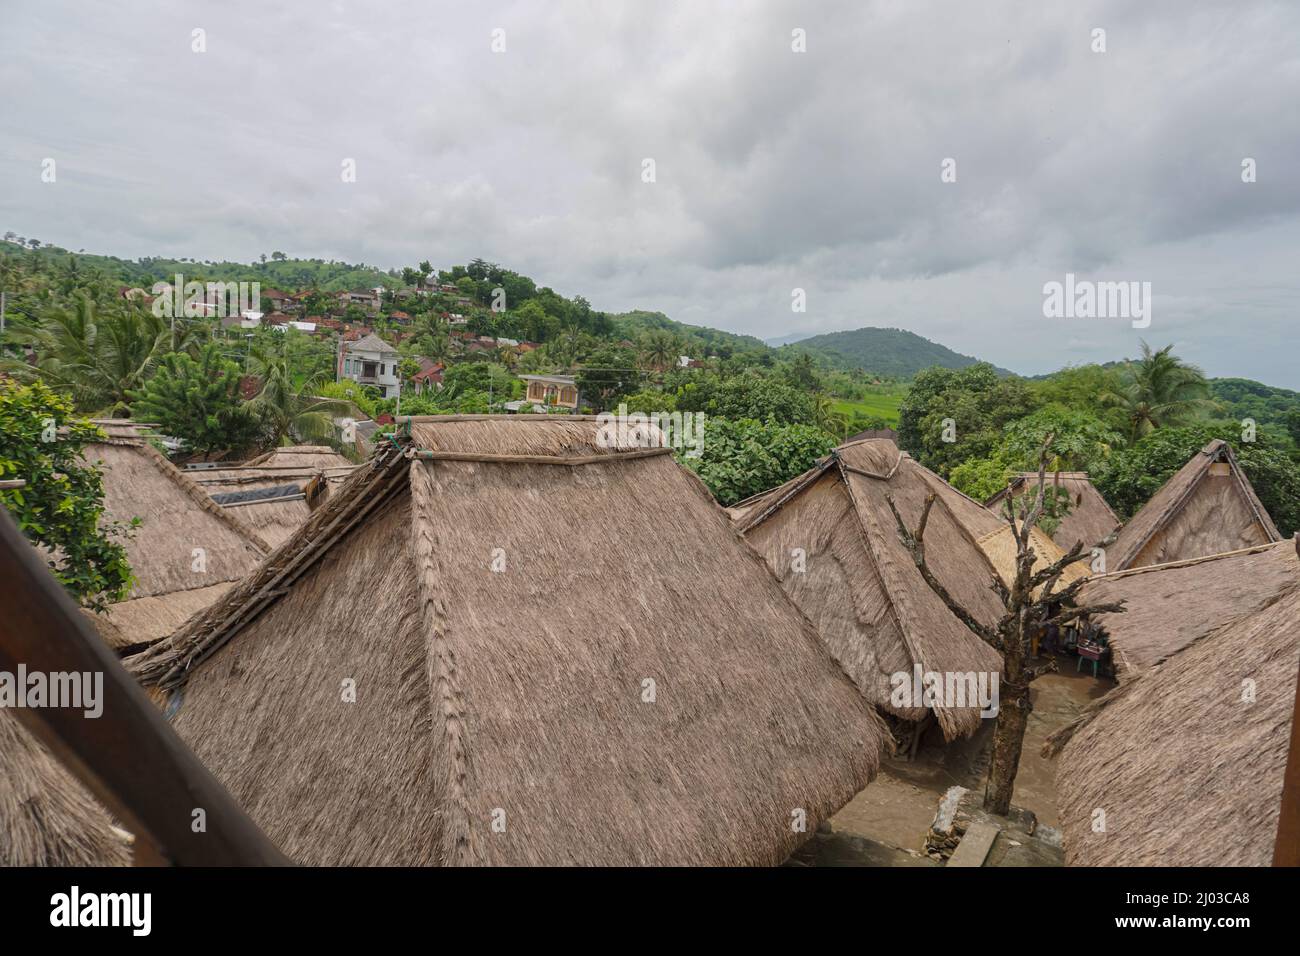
(1080, 440)
(660, 349)
(608, 374)
(60, 509)
(198, 401)
(287, 410)
(1160, 390)
(744, 457)
(951, 415)
(754, 394)
(1133, 475)
(98, 354)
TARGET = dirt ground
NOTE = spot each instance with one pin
(896, 809)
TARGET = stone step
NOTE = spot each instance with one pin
(975, 845)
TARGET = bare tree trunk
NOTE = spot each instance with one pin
(1030, 601)
(1008, 741)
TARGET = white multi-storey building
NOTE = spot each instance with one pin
(371, 361)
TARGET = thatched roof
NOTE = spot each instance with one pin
(1171, 605)
(46, 816)
(1207, 507)
(274, 498)
(176, 517)
(859, 585)
(1090, 519)
(300, 456)
(1187, 769)
(517, 696)
(1001, 548)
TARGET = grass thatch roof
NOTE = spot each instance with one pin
(1171, 605)
(46, 816)
(517, 697)
(176, 517)
(274, 516)
(1090, 519)
(1207, 507)
(859, 585)
(1185, 765)
(1001, 548)
(316, 457)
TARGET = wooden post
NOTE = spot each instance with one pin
(128, 757)
(1286, 851)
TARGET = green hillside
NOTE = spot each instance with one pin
(893, 353)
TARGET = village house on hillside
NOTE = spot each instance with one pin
(371, 361)
(687, 714)
(1208, 507)
(560, 391)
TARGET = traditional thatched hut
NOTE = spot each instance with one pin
(1000, 547)
(1089, 520)
(46, 816)
(274, 499)
(1168, 606)
(832, 541)
(1207, 507)
(1184, 764)
(559, 653)
(187, 549)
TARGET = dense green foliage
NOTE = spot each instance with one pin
(743, 457)
(61, 506)
(951, 415)
(197, 400)
(1132, 475)
(71, 328)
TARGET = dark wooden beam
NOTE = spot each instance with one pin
(128, 757)
(1286, 851)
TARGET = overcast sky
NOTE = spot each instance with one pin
(774, 169)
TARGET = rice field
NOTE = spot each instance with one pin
(884, 403)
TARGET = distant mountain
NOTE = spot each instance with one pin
(893, 352)
(784, 340)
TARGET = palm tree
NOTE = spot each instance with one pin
(289, 411)
(828, 419)
(660, 349)
(98, 359)
(1159, 390)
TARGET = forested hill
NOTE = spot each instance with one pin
(891, 352)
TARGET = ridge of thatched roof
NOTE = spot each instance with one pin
(1194, 515)
(1187, 760)
(47, 818)
(1171, 605)
(1090, 520)
(519, 691)
(871, 606)
(177, 517)
(300, 456)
